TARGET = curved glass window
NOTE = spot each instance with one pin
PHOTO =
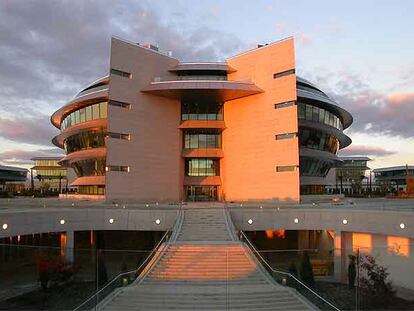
(318, 140)
(201, 111)
(85, 140)
(91, 190)
(202, 139)
(93, 112)
(90, 167)
(313, 167)
(313, 113)
(202, 167)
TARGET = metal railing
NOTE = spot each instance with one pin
(191, 78)
(288, 279)
(126, 278)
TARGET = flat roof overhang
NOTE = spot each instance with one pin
(320, 155)
(89, 181)
(202, 124)
(92, 153)
(78, 103)
(195, 90)
(202, 181)
(202, 153)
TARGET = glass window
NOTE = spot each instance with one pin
(88, 113)
(103, 110)
(309, 112)
(95, 112)
(315, 114)
(82, 115)
(321, 115)
(302, 111)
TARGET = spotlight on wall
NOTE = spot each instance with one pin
(402, 226)
(296, 221)
(146, 205)
(62, 221)
(250, 221)
(344, 221)
(157, 221)
(111, 220)
(261, 207)
(5, 226)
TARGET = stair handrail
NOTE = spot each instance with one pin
(254, 249)
(177, 224)
(230, 225)
(165, 238)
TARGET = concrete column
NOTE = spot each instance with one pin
(303, 239)
(67, 244)
(337, 256)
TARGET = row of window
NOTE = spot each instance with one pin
(314, 167)
(89, 167)
(202, 167)
(93, 112)
(201, 110)
(313, 113)
(318, 140)
(202, 139)
(92, 190)
(90, 139)
(50, 172)
(85, 140)
(47, 163)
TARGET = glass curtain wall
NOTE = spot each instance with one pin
(202, 167)
(202, 139)
(191, 110)
(313, 113)
(85, 140)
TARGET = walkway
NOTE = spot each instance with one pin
(206, 269)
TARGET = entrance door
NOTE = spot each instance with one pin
(201, 193)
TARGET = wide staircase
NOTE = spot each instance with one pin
(205, 268)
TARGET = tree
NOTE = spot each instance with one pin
(306, 272)
(374, 286)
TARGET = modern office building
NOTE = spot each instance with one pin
(157, 129)
(12, 177)
(48, 174)
(350, 177)
(391, 179)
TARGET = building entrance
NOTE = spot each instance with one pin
(201, 193)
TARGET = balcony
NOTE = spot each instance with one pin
(189, 88)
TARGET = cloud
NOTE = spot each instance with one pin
(49, 50)
(355, 150)
(37, 130)
(22, 157)
(373, 111)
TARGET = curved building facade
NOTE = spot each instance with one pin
(157, 129)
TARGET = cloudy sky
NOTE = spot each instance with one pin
(359, 52)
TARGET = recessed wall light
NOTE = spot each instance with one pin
(62, 221)
(344, 221)
(402, 226)
(111, 220)
(296, 221)
(5, 226)
(250, 221)
(157, 221)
